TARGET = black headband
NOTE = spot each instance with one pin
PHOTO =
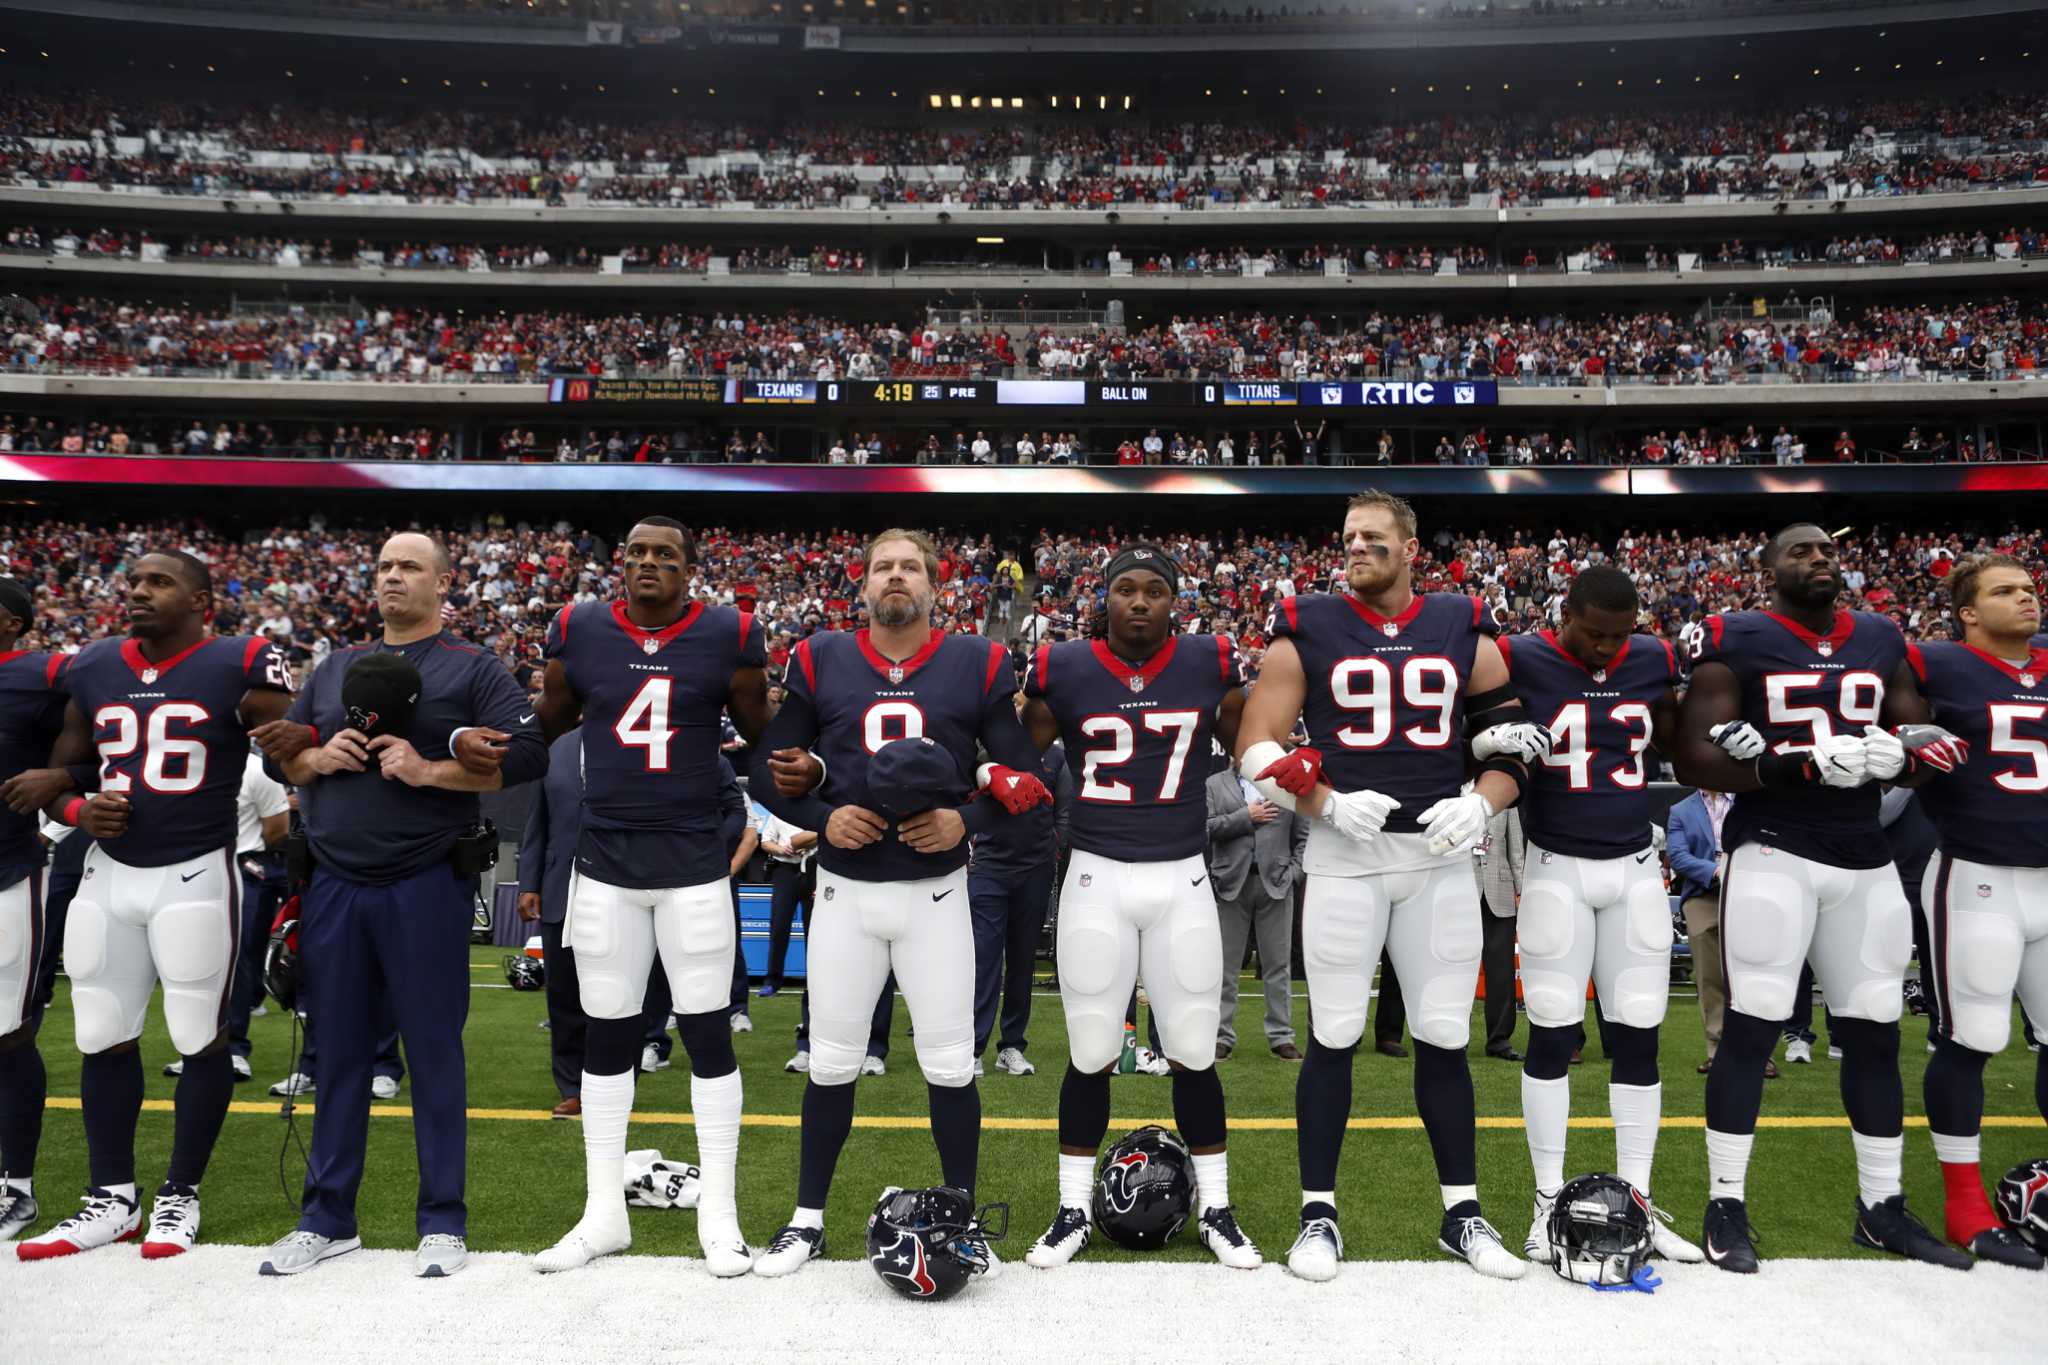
(1149, 559)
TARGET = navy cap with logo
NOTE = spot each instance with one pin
(907, 777)
(379, 692)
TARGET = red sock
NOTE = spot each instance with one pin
(1969, 1211)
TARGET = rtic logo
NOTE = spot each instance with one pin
(1121, 1180)
(903, 1259)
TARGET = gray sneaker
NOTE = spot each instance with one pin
(300, 1251)
(440, 1255)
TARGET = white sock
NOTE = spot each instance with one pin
(716, 1105)
(1728, 1163)
(1879, 1162)
(805, 1218)
(126, 1191)
(1455, 1195)
(22, 1184)
(607, 1104)
(1546, 1111)
(1212, 1180)
(1948, 1150)
(1319, 1197)
(1077, 1181)
(1636, 1110)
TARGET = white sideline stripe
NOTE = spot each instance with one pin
(367, 1307)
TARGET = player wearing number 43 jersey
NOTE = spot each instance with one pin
(891, 898)
(1986, 894)
(649, 677)
(1593, 902)
(1387, 683)
(169, 711)
(1789, 709)
(1137, 709)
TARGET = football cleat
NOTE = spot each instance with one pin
(2003, 1246)
(1474, 1241)
(725, 1249)
(1317, 1252)
(298, 1083)
(173, 1222)
(1727, 1238)
(106, 1218)
(440, 1255)
(299, 1251)
(873, 1066)
(742, 1024)
(1665, 1241)
(17, 1211)
(176, 1068)
(651, 1059)
(799, 1063)
(242, 1069)
(1799, 1050)
(384, 1087)
(1012, 1060)
(1070, 1232)
(584, 1244)
(975, 1247)
(1890, 1226)
(1226, 1241)
(792, 1250)
(1536, 1246)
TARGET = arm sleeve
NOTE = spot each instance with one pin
(732, 805)
(533, 845)
(795, 726)
(558, 633)
(497, 702)
(753, 642)
(1005, 738)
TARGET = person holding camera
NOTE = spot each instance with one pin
(388, 746)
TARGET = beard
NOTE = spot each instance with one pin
(894, 611)
(1806, 593)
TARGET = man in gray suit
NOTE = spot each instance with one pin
(547, 853)
(1254, 861)
(1497, 862)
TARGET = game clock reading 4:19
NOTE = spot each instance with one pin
(894, 391)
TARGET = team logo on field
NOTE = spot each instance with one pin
(650, 646)
(1391, 630)
(149, 675)
(1824, 649)
(1087, 880)
(828, 892)
(1983, 892)
(895, 675)
(1137, 684)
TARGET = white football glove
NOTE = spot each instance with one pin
(1358, 815)
(1738, 739)
(1522, 739)
(1456, 822)
(1884, 753)
(1842, 761)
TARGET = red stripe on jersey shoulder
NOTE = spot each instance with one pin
(1287, 609)
(1476, 606)
(457, 646)
(1670, 658)
(997, 657)
(2036, 665)
(1044, 667)
(803, 661)
(256, 643)
(562, 621)
(11, 655)
(1714, 628)
(1917, 660)
(1507, 655)
(746, 628)
(1223, 657)
(59, 665)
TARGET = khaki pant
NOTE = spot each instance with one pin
(1703, 928)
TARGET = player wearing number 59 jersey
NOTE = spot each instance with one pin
(1986, 893)
(1790, 709)
(649, 678)
(1593, 902)
(168, 710)
(1136, 710)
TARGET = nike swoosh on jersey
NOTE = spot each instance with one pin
(941, 895)
(525, 719)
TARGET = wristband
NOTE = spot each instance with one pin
(314, 731)
(1507, 767)
(71, 810)
(1781, 771)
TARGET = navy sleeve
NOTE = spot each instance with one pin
(533, 845)
(732, 805)
(795, 726)
(497, 702)
(1008, 743)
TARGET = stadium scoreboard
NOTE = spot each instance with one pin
(1030, 393)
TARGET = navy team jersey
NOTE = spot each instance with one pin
(1591, 799)
(1386, 695)
(1990, 809)
(1797, 689)
(171, 739)
(652, 704)
(845, 700)
(33, 691)
(1139, 738)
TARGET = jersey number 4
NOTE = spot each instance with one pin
(1571, 753)
(170, 764)
(1123, 743)
(644, 723)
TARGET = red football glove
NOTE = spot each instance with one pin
(1931, 746)
(1296, 774)
(1017, 791)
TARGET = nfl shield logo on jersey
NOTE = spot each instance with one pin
(1087, 880)
(1599, 675)
(895, 675)
(2026, 680)
(1137, 684)
(1824, 649)
(650, 645)
(1983, 892)
(828, 892)
(149, 675)
(1391, 629)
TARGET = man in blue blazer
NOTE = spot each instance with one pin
(547, 854)
(1693, 843)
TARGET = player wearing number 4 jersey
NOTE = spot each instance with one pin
(169, 710)
(1136, 710)
(1986, 894)
(649, 677)
(1593, 902)
(1788, 709)
(1387, 683)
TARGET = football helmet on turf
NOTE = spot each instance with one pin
(525, 973)
(1599, 1230)
(926, 1244)
(2022, 1200)
(1144, 1189)
(281, 955)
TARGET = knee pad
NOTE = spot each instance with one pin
(1632, 1054)
(1983, 954)
(1554, 1000)
(1550, 1051)
(1979, 1024)
(1764, 942)
(1187, 1032)
(1336, 1027)
(1095, 1038)
(609, 994)
(949, 1066)
(1885, 948)
(97, 1016)
(834, 1063)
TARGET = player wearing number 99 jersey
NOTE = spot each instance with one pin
(649, 677)
(1593, 902)
(1136, 710)
(1788, 710)
(168, 711)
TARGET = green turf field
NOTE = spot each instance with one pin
(526, 1174)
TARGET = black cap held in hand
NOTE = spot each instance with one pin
(379, 693)
(908, 777)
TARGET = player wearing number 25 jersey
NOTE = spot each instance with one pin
(1788, 709)
(1593, 902)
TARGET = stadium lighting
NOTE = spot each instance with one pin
(956, 101)
(1102, 101)
(1127, 98)
(988, 241)
(974, 103)
(938, 102)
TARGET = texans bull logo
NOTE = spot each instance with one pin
(903, 1259)
(1122, 1179)
(359, 719)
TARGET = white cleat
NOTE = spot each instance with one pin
(792, 1250)
(1070, 1232)
(1537, 1245)
(651, 1059)
(298, 1083)
(1226, 1240)
(585, 1243)
(1474, 1241)
(1012, 1060)
(297, 1252)
(18, 1212)
(873, 1066)
(173, 1222)
(725, 1248)
(990, 1266)
(384, 1087)
(1799, 1050)
(107, 1218)
(742, 1024)
(440, 1255)
(799, 1063)
(242, 1070)
(1318, 1251)
(1665, 1241)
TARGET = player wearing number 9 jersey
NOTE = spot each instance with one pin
(891, 898)
(649, 677)
(1593, 903)
(1387, 682)
(1136, 710)
(168, 710)
(1986, 895)
(1789, 709)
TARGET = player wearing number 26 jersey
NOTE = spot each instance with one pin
(1593, 903)
(1789, 710)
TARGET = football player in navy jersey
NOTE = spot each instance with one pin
(169, 710)
(649, 677)
(1593, 902)
(1986, 893)
(1791, 710)
(1389, 683)
(1138, 710)
(32, 696)
(891, 898)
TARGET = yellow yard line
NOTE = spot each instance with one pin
(1391, 1123)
